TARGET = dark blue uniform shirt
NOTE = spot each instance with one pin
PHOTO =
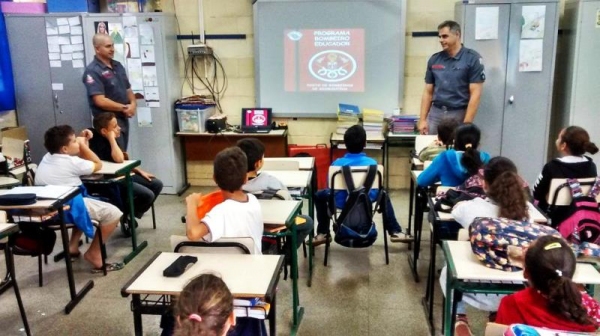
(451, 77)
(99, 79)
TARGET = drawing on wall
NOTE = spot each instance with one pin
(486, 23)
(533, 22)
(149, 73)
(146, 34)
(531, 55)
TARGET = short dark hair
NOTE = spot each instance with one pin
(452, 25)
(355, 139)
(56, 137)
(229, 169)
(446, 129)
(254, 150)
(102, 120)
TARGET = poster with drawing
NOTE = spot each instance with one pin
(531, 55)
(115, 30)
(486, 23)
(146, 34)
(147, 53)
(149, 75)
(134, 73)
(533, 22)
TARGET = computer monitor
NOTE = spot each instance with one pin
(256, 119)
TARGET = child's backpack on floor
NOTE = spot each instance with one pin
(355, 227)
(582, 223)
(492, 238)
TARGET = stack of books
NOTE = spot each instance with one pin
(253, 308)
(403, 123)
(348, 116)
(373, 122)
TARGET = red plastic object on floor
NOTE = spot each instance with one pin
(321, 154)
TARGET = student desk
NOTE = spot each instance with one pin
(57, 205)
(9, 182)
(11, 278)
(373, 142)
(247, 276)
(297, 179)
(305, 163)
(417, 202)
(439, 218)
(466, 274)
(396, 140)
(277, 213)
(205, 146)
(124, 169)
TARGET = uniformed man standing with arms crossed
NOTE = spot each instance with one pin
(453, 81)
(108, 87)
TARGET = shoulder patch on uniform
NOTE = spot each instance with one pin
(483, 75)
(89, 79)
(481, 60)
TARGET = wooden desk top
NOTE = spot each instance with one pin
(292, 178)
(44, 203)
(468, 268)
(306, 163)
(246, 275)
(111, 168)
(278, 212)
(6, 229)
(277, 133)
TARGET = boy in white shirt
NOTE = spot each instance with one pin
(68, 158)
(239, 215)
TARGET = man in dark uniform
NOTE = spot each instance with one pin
(453, 81)
(108, 87)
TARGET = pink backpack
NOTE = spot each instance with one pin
(583, 222)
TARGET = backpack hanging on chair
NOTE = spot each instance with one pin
(583, 222)
(355, 227)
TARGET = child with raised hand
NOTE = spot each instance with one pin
(454, 166)
(552, 299)
(572, 144)
(204, 308)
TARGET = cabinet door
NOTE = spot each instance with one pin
(528, 97)
(494, 54)
(33, 89)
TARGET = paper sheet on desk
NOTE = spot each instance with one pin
(47, 192)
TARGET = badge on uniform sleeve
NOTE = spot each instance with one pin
(482, 75)
(89, 79)
(481, 60)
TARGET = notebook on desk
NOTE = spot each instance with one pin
(256, 120)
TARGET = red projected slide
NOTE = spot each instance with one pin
(323, 60)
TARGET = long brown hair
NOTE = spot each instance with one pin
(550, 264)
(505, 187)
(203, 307)
(466, 138)
(578, 141)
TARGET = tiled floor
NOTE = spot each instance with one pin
(356, 294)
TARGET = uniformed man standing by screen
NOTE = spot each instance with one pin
(453, 81)
(108, 87)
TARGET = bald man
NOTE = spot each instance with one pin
(108, 88)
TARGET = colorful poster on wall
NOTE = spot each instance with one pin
(324, 60)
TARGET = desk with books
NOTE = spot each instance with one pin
(396, 140)
(247, 277)
(55, 199)
(300, 181)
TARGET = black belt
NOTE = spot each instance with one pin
(449, 108)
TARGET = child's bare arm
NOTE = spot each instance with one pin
(195, 230)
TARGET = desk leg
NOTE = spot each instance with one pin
(411, 198)
(385, 158)
(273, 317)
(136, 303)
(418, 230)
(75, 296)
(298, 311)
(186, 185)
(10, 265)
(136, 248)
(431, 274)
(449, 305)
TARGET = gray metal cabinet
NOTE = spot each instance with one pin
(515, 109)
(39, 106)
(577, 95)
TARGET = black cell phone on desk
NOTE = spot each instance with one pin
(179, 266)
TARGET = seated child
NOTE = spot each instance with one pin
(552, 300)
(572, 143)
(239, 215)
(146, 187)
(444, 140)
(255, 152)
(454, 166)
(355, 140)
(204, 307)
(68, 158)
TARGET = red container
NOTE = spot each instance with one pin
(321, 154)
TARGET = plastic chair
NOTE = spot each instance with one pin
(237, 245)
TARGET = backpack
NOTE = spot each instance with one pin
(269, 193)
(582, 223)
(468, 190)
(491, 239)
(355, 227)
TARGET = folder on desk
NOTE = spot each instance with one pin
(258, 311)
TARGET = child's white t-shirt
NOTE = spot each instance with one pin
(62, 169)
(232, 219)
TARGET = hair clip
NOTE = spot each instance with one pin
(195, 317)
(559, 272)
(468, 145)
(552, 246)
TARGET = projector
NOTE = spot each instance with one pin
(216, 123)
(199, 50)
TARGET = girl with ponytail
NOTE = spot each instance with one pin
(552, 300)
(572, 144)
(505, 195)
(454, 166)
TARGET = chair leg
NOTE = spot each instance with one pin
(326, 248)
(40, 274)
(153, 217)
(45, 259)
(102, 249)
(385, 247)
(304, 249)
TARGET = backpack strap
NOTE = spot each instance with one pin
(595, 190)
(348, 178)
(367, 184)
(575, 188)
(371, 173)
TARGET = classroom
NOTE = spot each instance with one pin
(348, 167)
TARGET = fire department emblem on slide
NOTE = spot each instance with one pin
(332, 66)
(258, 119)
